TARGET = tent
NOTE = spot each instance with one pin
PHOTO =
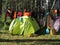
(24, 25)
(57, 24)
(15, 26)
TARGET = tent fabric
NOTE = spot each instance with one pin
(24, 25)
(15, 27)
(30, 26)
(11, 25)
(19, 14)
(56, 25)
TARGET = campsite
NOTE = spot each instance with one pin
(30, 22)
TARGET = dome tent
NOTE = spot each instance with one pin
(15, 27)
(57, 24)
(24, 25)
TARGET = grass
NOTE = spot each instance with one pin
(4, 34)
(27, 43)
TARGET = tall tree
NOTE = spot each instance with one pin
(0, 7)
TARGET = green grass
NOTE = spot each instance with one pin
(26, 43)
(4, 34)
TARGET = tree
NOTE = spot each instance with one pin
(0, 7)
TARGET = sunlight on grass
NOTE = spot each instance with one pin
(4, 34)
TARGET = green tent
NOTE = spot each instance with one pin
(25, 25)
(30, 26)
(16, 27)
